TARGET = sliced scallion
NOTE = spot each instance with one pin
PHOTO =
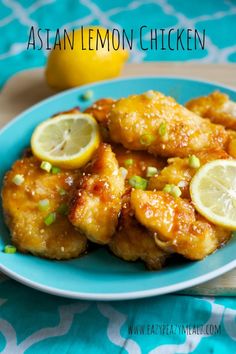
(46, 166)
(18, 179)
(138, 182)
(50, 219)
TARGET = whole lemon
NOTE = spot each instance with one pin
(88, 61)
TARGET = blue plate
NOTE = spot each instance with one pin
(99, 275)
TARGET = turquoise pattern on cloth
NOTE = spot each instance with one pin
(218, 18)
(32, 322)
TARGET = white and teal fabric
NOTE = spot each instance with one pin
(32, 322)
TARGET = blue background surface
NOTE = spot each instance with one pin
(217, 17)
(32, 322)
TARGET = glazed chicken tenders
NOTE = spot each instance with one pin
(97, 202)
(132, 241)
(28, 206)
(177, 227)
(158, 124)
(134, 196)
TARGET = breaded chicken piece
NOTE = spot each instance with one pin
(137, 162)
(179, 172)
(96, 204)
(176, 225)
(217, 107)
(100, 110)
(231, 148)
(133, 242)
(158, 124)
(25, 220)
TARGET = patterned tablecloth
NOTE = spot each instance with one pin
(33, 322)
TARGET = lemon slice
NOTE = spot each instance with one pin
(213, 192)
(67, 140)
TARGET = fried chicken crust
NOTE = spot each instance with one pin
(133, 242)
(176, 225)
(158, 124)
(29, 233)
(217, 107)
(96, 204)
(100, 110)
(179, 172)
(231, 148)
(141, 160)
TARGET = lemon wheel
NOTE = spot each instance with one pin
(67, 140)
(213, 192)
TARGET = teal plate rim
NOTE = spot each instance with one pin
(11, 264)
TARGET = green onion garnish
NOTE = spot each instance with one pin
(194, 161)
(50, 218)
(10, 249)
(46, 166)
(149, 94)
(129, 162)
(147, 139)
(43, 204)
(88, 95)
(18, 180)
(176, 192)
(172, 190)
(151, 171)
(138, 182)
(162, 130)
(63, 209)
(167, 188)
(55, 170)
(62, 191)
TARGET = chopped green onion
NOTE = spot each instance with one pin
(10, 249)
(138, 182)
(55, 170)
(46, 166)
(124, 172)
(62, 191)
(88, 95)
(18, 179)
(147, 139)
(50, 218)
(172, 190)
(167, 188)
(43, 204)
(176, 192)
(162, 130)
(194, 161)
(151, 171)
(63, 209)
(129, 162)
(149, 94)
